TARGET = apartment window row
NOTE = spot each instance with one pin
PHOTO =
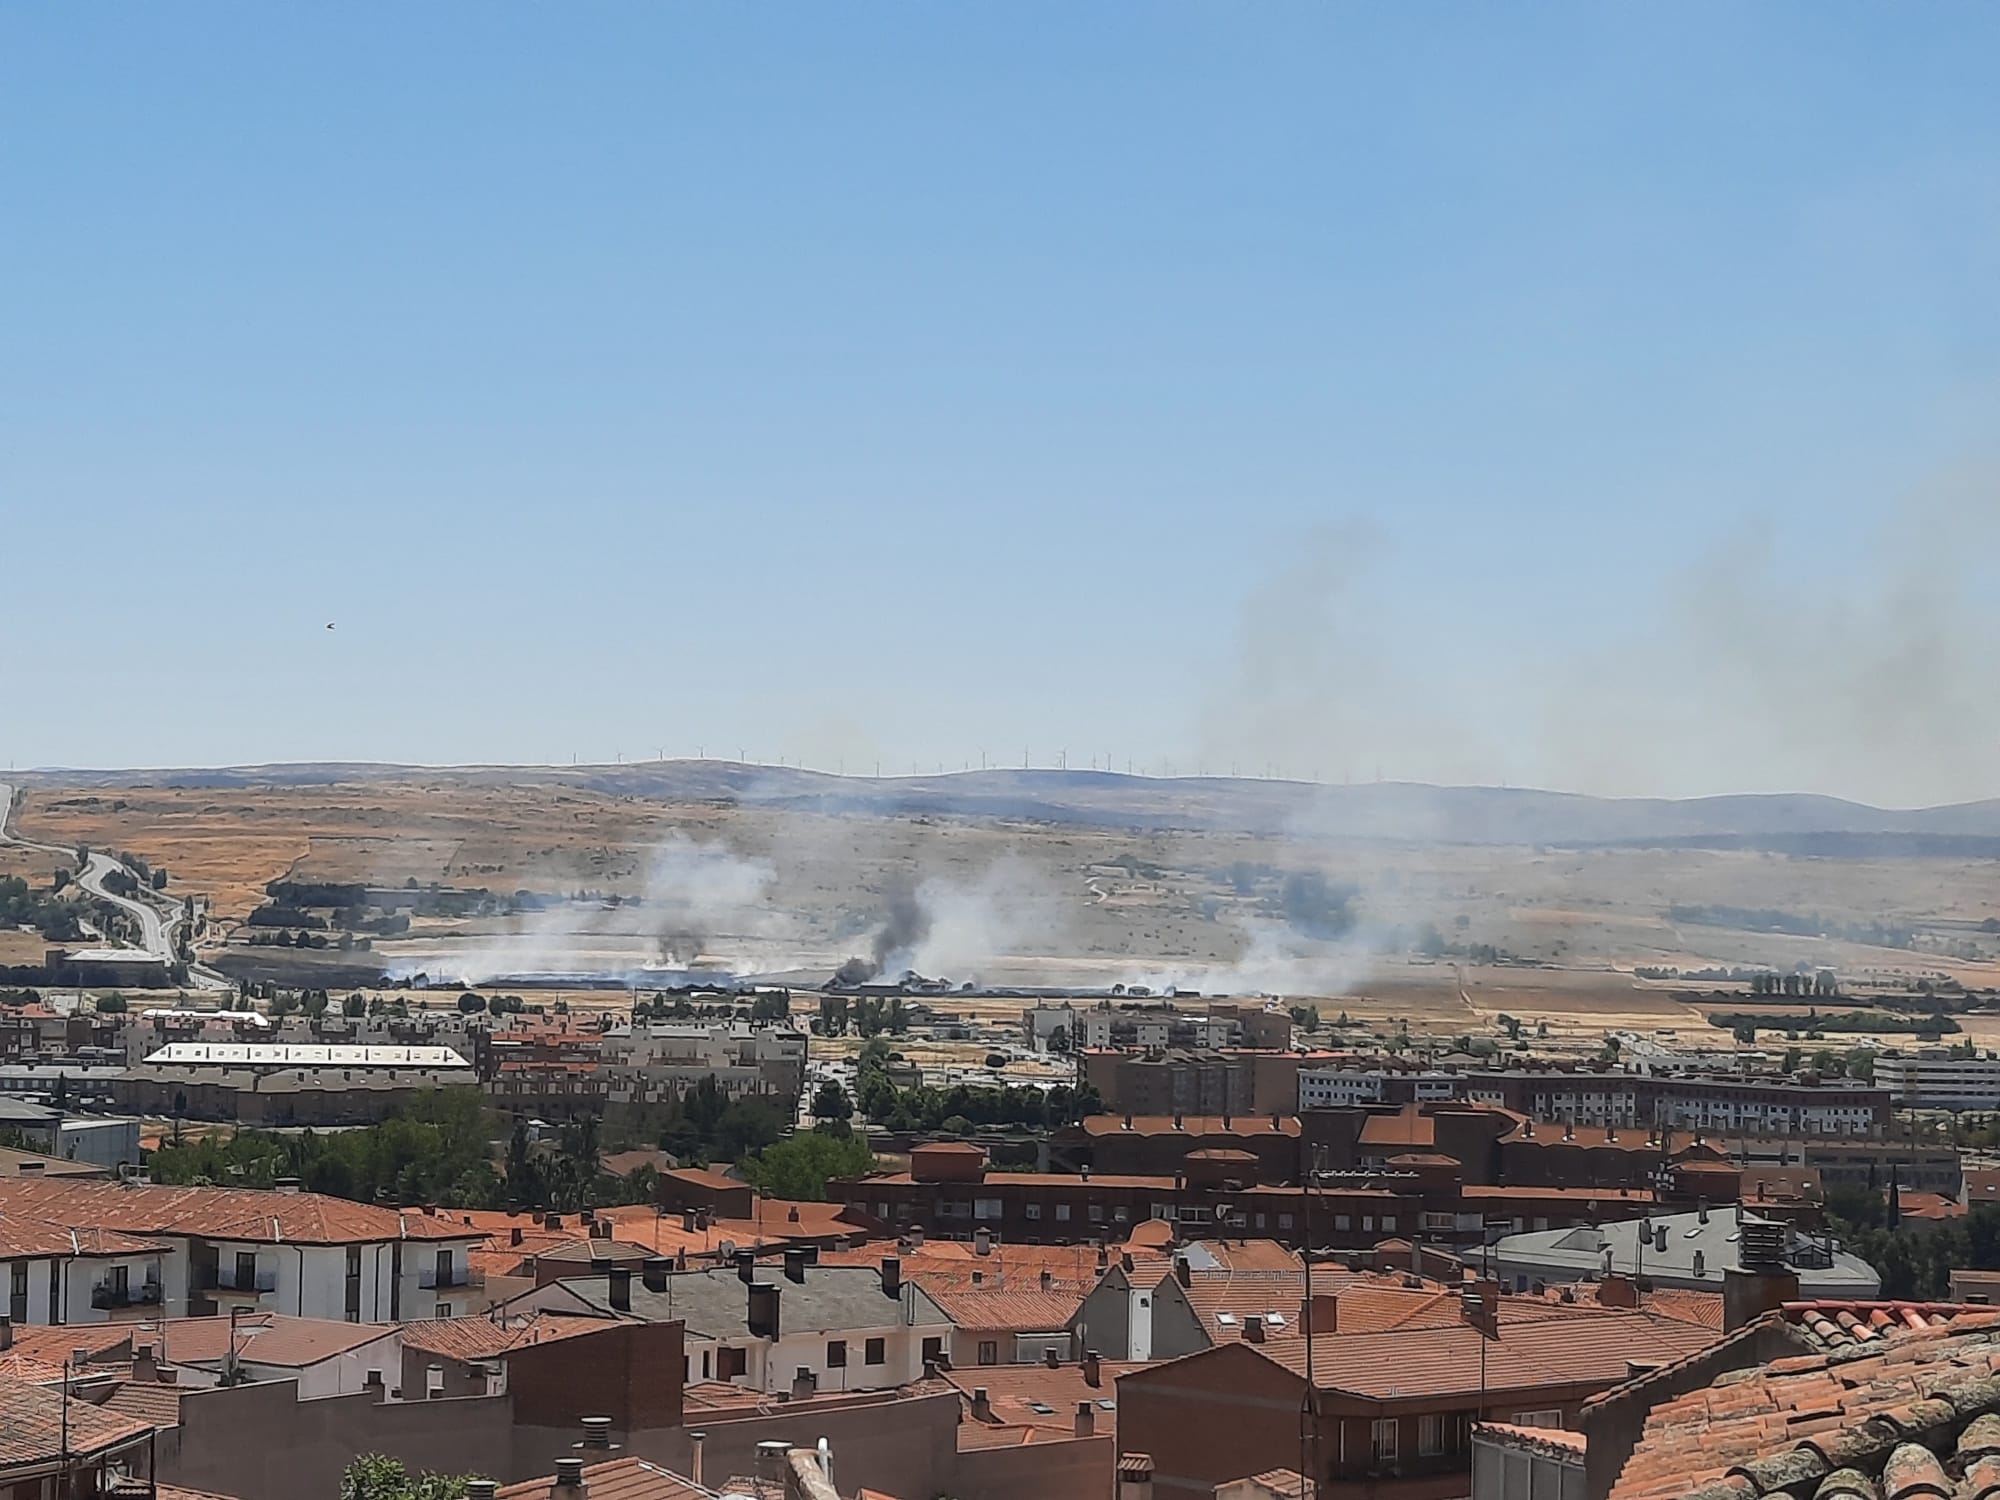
(1345, 1222)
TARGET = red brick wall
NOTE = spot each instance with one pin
(629, 1372)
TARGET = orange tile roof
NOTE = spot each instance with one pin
(1539, 1347)
(1014, 1391)
(1406, 1129)
(1897, 1387)
(484, 1338)
(239, 1214)
(36, 1425)
(990, 1309)
(1254, 1255)
(23, 1236)
(619, 1479)
(262, 1339)
(151, 1401)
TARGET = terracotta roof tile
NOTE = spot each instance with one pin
(1030, 1310)
(1852, 1408)
(238, 1214)
(619, 1479)
(486, 1338)
(151, 1401)
(33, 1423)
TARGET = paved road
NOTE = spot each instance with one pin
(155, 930)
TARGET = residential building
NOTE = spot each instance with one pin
(1934, 1079)
(1004, 1325)
(1697, 1250)
(53, 1444)
(1723, 1104)
(1137, 1144)
(658, 1062)
(1191, 1080)
(1390, 1410)
(1325, 1088)
(208, 1250)
(1512, 1462)
(798, 1330)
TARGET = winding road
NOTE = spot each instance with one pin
(156, 925)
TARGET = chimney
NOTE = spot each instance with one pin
(695, 1441)
(1323, 1312)
(1177, 1120)
(1699, 1263)
(433, 1382)
(892, 1276)
(1183, 1273)
(551, 1221)
(1617, 1291)
(1479, 1304)
(145, 1369)
(803, 1384)
(1086, 1419)
(795, 1265)
(746, 1266)
(763, 1317)
(982, 1404)
(916, 1236)
(1092, 1371)
(982, 1241)
(513, 1238)
(6, 1331)
(618, 1280)
(1701, 1210)
(569, 1483)
(1660, 1237)
(1050, 1357)
(1135, 1476)
(481, 1489)
(1761, 1280)
(1046, 1278)
(687, 1221)
(654, 1272)
(596, 1433)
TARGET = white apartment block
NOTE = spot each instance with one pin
(1933, 1079)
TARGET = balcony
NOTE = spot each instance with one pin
(109, 1296)
(433, 1278)
(228, 1279)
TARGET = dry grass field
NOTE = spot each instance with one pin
(1018, 901)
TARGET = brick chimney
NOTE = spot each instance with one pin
(982, 1404)
(618, 1281)
(1092, 1371)
(1617, 1291)
(1086, 1419)
(145, 1369)
(1323, 1312)
(655, 1272)
(1479, 1304)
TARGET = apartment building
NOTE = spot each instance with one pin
(1760, 1106)
(1199, 1081)
(661, 1061)
(1326, 1088)
(171, 1251)
(1934, 1079)
(797, 1329)
(1392, 1408)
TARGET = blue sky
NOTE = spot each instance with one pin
(1438, 392)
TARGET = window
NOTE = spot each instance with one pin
(1383, 1434)
(18, 1292)
(246, 1271)
(989, 1352)
(836, 1354)
(985, 1208)
(1342, 1222)
(1548, 1417)
(353, 1301)
(1430, 1434)
(121, 1281)
(1097, 1213)
(1284, 1220)
(1260, 1222)
(1031, 1210)
(1388, 1223)
(934, 1351)
(1121, 1214)
(1062, 1213)
(1368, 1223)
(873, 1352)
(443, 1310)
(705, 1371)
(1440, 1221)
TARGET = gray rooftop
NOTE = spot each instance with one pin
(1562, 1255)
(716, 1304)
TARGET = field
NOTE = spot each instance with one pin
(794, 890)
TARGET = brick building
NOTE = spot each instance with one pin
(1388, 1413)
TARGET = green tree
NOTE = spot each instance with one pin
(801, 1165)
(831, 1103)
(375, 1477)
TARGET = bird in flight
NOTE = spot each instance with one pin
(329, 624)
